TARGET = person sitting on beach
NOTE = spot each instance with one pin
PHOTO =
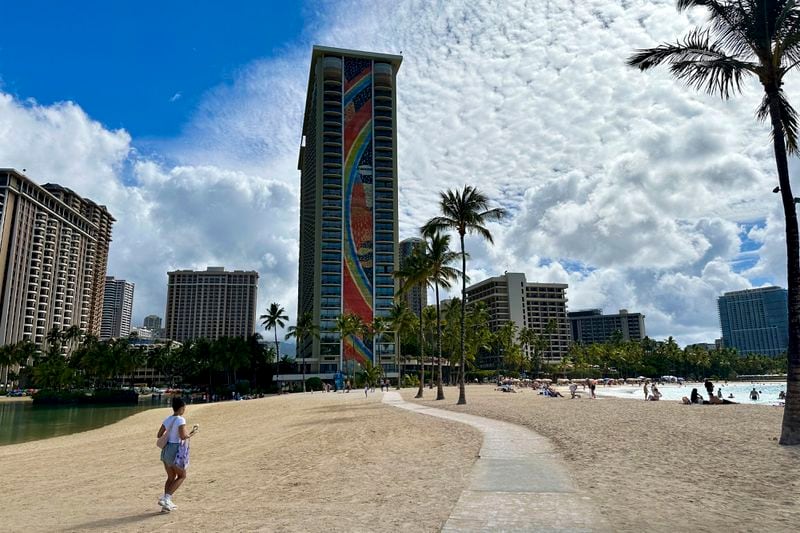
(695, 398)
(709, 387)
(713, 400)
(656, 395)
(573, 390)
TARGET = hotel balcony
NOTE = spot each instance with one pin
(382, 75)
(332, 68)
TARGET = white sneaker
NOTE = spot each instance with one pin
(168, 506)
(161, 500)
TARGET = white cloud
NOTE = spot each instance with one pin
(628, 186)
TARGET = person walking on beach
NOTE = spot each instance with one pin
(646, 391)
(366, 390)
(592, 386)
(175, 424)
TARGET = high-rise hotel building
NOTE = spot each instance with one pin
(417, 296)
(211, 303)
(511, 298)
(348, 202)
(53, 257)
(117, 309)
(755, 321)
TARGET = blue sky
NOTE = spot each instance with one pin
(184, 118)
(139, 65)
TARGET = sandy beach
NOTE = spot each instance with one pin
(333, 462)
(660, 466)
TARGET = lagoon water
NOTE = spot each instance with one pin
(22, 421)
(740, 391)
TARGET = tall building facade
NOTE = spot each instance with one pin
(592, 326)
(152, 322)
(211, 304)
(535, 306)
(348, 202)
(53, 258)
(755, 321)
(117, 308)
(416, 297)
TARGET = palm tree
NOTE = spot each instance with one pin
(71, 337)
(7, 358)
(440, 274)
(378, 328)
(758, 38)
(275, 318)
(414, 272)
(305, 327)
(465, 211)
(401, 320)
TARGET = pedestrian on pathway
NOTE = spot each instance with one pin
(366, 390)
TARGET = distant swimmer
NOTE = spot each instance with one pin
(781, 395)
(730, 395)
(754, 394)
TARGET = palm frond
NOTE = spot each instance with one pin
(788, 119)
(699, 63)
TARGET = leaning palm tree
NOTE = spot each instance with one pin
(465, 211)
(743, 39)
(401, 320)
(440, 274)
(414, 273)
(304, 328)
(275, 318)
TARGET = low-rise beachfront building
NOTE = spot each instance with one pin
(592, 326)
(511, 297)
(755, 321)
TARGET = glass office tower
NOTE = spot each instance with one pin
(755, 321)
(348, 204)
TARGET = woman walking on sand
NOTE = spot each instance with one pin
(175, 424)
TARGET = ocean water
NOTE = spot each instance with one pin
(741, 392)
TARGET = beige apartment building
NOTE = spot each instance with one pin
(511, 297)
(53, 257)
(211, 304)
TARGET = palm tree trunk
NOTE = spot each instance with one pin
(304, 370)
(462, 393)
(277, 348)
(421, 358)
(397, 357)
(439, 389)
(790, 429)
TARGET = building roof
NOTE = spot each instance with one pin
(318, 51)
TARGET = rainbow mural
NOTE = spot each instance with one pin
(358, 209)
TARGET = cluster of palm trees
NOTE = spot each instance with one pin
(70, 360)
(743, 40)
(463, 212)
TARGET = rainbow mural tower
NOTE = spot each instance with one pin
(348, 205)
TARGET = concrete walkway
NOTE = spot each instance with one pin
(518, 482)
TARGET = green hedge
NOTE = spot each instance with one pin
(314, 384)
